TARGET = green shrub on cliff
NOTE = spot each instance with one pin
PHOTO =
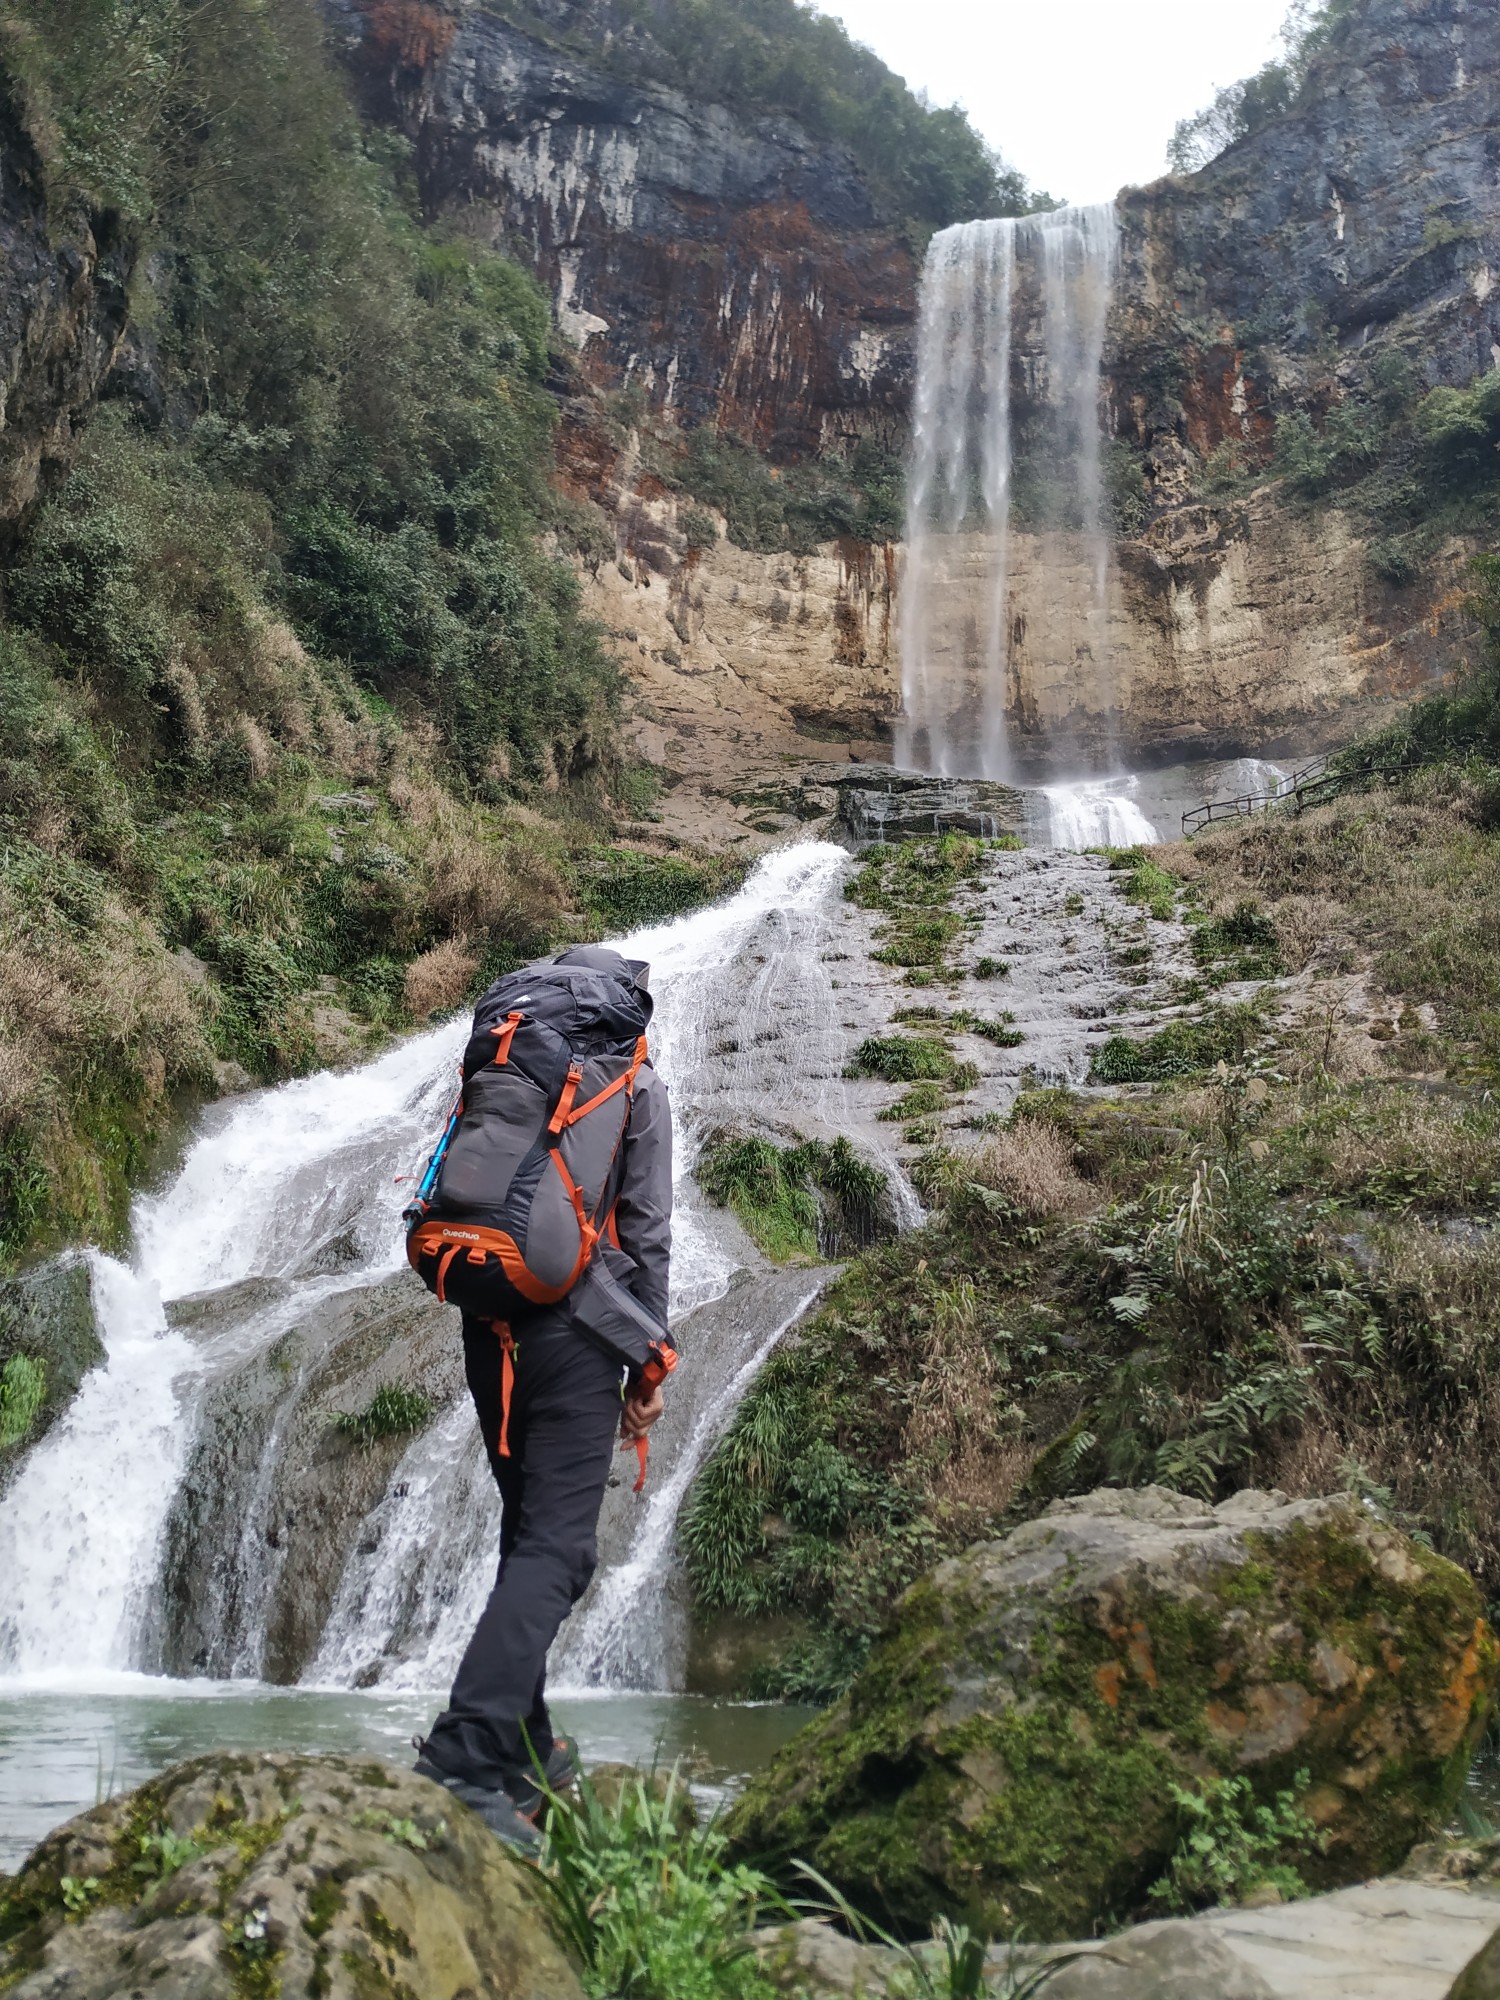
(279, 656)
(1239, 110)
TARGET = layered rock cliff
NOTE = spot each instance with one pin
(1369, 216)
(731, 267)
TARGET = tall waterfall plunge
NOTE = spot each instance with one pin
(1007, 424)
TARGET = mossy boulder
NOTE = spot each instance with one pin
(1007, 1753)
(49, 1341)
(243, 1878)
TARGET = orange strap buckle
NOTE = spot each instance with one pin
(565, 1102)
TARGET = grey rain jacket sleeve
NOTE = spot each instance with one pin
(643, 1212)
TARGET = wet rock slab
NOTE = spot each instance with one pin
(273, 1496)
(877, 802)
(47, 1314)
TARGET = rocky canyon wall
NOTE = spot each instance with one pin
(64, 277)
(740, 275)
(731, 267)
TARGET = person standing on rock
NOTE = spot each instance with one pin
(546, 1216)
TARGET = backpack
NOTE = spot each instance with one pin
(523, 1181)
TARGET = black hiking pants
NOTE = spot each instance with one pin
(564, 1421)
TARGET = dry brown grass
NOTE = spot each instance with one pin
(440, 979)
(1031, 1163)
(112, 1002)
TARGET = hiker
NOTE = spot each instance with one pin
(546, 1216)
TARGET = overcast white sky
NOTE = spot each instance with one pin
(1081, 95)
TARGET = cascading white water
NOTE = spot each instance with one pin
(985, 285)
(745, 1027)
(1099, 812)
(273, 1177)
(277, 1178)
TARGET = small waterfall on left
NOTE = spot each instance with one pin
(287, 1206)
(271, 1179)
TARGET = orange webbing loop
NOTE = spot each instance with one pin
(565, 1102)
(657, 1369)
(505, 1036)
(625, 1082)
(442, 1271)
(507, 1381)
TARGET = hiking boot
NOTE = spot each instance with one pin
(560, 1772)
(496, 1808)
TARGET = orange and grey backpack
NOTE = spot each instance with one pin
(525, 1177)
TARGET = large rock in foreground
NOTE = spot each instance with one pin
(1006, 1754)
(236, 1876)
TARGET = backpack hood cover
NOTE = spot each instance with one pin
(632, 972)
(523, 1184)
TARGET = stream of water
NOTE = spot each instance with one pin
(1005, 305)
(286, 1203)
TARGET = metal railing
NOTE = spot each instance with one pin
(1314, 785)
(1252, 802)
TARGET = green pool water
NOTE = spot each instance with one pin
(62, 1750)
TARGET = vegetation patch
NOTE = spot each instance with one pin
(1145, 881)
(1182, 1048)
(393, 1411)
(23, 1391)
(627, 890)
(797, 1202)
(914, 884)
(901, 1059)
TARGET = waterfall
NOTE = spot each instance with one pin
(1007, 424)
(1101, 812)
(272, 1179)
(746, 1029)
(287, 1200)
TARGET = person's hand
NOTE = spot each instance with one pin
(640, 1413)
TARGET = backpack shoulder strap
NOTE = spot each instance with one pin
(569, 1113)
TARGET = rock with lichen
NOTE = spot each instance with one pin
(1008, 1752)
(248, 1877)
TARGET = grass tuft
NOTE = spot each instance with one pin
(393, 1411)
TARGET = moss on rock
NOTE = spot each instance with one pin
(1007, 1753)
(231, 1877)
(47, 1329)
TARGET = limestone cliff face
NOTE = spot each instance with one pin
(63, 308)
(1227, 632)
(732, 268)
(1370, 216)
(735, 270)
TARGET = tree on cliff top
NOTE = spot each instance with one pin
(1240, 109)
